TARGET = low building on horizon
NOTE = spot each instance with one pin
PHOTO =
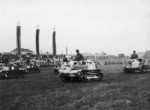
(140, 54)
(23, 51)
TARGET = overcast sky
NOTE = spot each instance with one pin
(113, 26)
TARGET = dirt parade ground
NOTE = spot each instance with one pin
(45, 91)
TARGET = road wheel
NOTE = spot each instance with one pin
(84, 78)
(141, 70)
(81, 76)
(100, 75)
(6, 75)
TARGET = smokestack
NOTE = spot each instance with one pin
(54, 42)
(66, 50)
(37, 41)
(18, 38)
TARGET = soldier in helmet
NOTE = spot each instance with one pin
(134, 55)
(79, 56)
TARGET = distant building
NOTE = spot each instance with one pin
(23, 51)
(121, 55)
(87, 54)
(140, 54)
(101, 54)
(147, 54)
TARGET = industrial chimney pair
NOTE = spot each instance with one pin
(18, 37)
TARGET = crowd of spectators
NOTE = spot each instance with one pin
(44, 60)
(49, 60)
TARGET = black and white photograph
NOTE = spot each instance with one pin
(74, 54)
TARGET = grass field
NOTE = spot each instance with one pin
(45, 91)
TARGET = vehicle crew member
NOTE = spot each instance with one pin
(79, 56)
(134, 55)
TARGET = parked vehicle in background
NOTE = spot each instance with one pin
(1, 66)
(34, 67)
(12, 72)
